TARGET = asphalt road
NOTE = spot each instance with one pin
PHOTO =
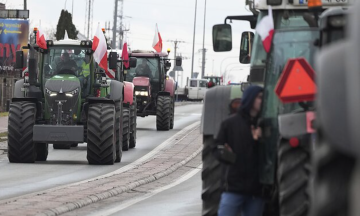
(181, 200)
(69, 166)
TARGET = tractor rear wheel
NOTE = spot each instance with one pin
(61, 146)
(163, 113)
(126, 129)
(332, 185)
(119, 117)
(172, 114)
(133, 124)
(21, 148)
(42, 151)
(211, 179)
(293, 178)
(101, 142)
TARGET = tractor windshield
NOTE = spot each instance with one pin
(146, 67)
(70, 60)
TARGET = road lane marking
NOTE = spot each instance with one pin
(131, 202)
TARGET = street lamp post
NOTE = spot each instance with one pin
(193, 48)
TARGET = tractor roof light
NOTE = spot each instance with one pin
(86, 43)
(314, 4)
(274, 2)
(35, 29)
(103, 30)
(50, 42)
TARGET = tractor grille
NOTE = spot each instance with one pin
(69, 108)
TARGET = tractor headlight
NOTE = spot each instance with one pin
(141, 93)
(72, 93)
(50, 93)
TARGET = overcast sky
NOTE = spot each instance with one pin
(175, 19)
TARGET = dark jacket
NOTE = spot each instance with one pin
(242, 176)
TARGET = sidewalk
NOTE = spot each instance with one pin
(3, 124)
(172, 156)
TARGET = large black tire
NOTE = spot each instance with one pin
(163, 113)
(61, 146)
(21, 148)
(118, 128)
(101, 142)
(42, 151)
(211, 179)
(126, 129)
(294, 177)
(333, 171)
(172, 114)
(133, 123)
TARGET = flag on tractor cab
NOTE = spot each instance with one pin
(41, 39)
(125, 56)
(99, 47)
(265, 28)
(157, 43)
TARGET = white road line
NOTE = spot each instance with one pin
(131, 202)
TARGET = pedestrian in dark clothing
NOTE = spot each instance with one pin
(237, 147)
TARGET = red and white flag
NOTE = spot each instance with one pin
(41, 39)
(157, 43)
(125, 55)
(265, 28)
(99, 47)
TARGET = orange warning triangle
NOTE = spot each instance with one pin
(297, 82)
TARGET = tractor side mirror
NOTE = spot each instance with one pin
(19, 64)
(167, 66)
(247, 39)
(178, 61)
(132, 62)
(244, 86)
(222, 38)
(113, 60)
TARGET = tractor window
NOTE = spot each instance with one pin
(193, 83)
(286, 45)
(147, 67)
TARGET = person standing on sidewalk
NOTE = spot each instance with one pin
(237, 147)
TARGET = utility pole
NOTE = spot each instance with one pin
(114, 30)
(25, 4)
(203, 49)
(72, 9)
(193, 49)
(176, 42)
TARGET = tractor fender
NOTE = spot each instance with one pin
(17, 89)
(170, 86)
(128, 93)
(216, 107)
(163, 93)
(116, 90)
(141, 81)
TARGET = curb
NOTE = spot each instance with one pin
(70, 206)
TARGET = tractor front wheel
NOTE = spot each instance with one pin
(163, 113)
(133, 124)
(21, 148)
(101, 136)
(126, 129)
(119, 117)
(172, 114)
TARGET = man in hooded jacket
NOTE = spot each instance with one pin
(239, 135)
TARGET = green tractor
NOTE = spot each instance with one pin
(59, 102)
(287, 121)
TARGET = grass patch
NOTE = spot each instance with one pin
(3, 114)
(4, 134)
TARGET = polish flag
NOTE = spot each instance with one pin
(265, 28)
(125, 56)
(157, 43)
(41, 39)
(100, 52)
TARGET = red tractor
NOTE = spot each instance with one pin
(154, 89)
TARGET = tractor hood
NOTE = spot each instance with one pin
(62, 83)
